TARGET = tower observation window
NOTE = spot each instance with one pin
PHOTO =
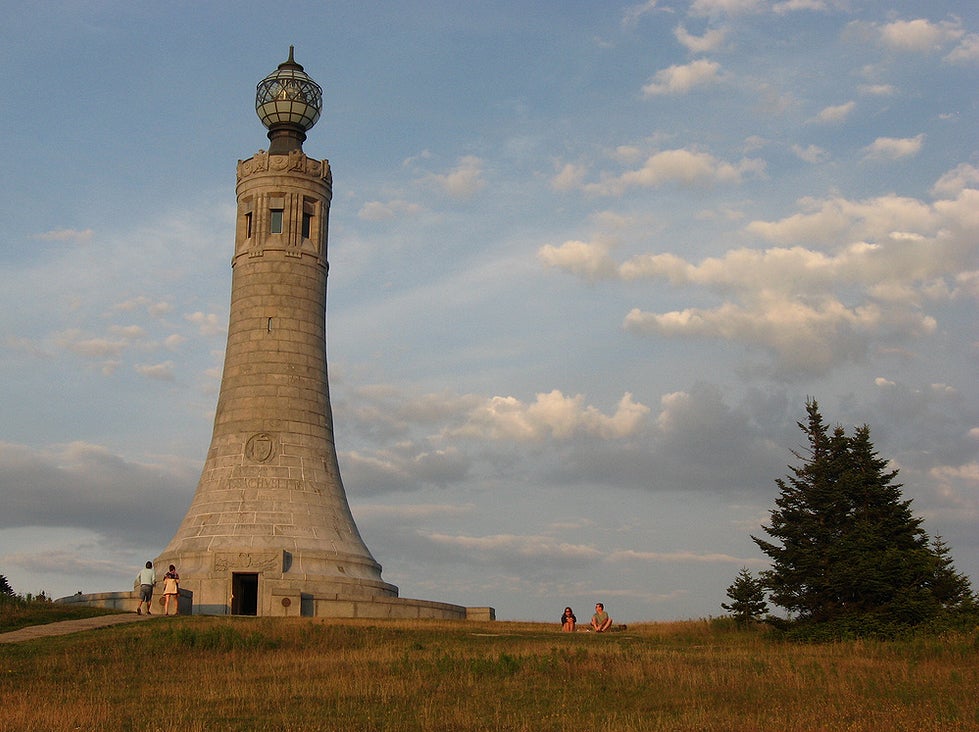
(275, 221)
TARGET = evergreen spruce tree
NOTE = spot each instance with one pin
(846, 547)
(885, 559)
(951, 588)
(748, 598)
(805, 525)
(5, 589)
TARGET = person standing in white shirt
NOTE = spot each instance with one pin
(146, 579)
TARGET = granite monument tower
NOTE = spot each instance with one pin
(269, 530)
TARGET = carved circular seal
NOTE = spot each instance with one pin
(260, 447)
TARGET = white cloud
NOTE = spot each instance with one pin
(634, 12)
(173, 341)
(551, 415)
(918, 35)
(109, 367)
(63, 561)
(794, 5)
(967, 285)
(877, 90)
(129, 332)
(835, 114)
(810, 153)
(964, 175)
(456, 432)
(805, 338)
(957, 486)
(680, 79)
(569, 177)
(158, 309)
(463, 181)
(412, 511)
(413, 160)
(628, 154)
(159, 371)
(724, 7)
(585, 259)
(753, 143)
(155, 309)
(829, 221)
(67, 235)
(207, 323)
(74, 341)
(26, 345)
(526, 546)
(678, 166)
(710, 41)
(614, 221)
(680, 556)
(891, 238)
(966, 52)
(810, 308)
(894, 148)
(404, 467)
(386, 210)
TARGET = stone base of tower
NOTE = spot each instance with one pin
(247, 593)
(255, 582)
(288, 602)
(302, 582)
(392, 608)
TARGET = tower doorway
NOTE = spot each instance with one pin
(244, 593)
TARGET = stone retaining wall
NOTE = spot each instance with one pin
(129, 601)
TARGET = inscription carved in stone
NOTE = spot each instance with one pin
(245, 560)
(258, 482)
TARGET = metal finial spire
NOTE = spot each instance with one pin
(290, 63)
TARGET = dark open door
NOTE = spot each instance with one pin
(244, 593)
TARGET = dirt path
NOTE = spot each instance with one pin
(64, 627)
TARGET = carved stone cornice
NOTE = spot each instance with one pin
(295, 162)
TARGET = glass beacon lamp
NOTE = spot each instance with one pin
(289, 103)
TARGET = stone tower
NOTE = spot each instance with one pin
(269, 531)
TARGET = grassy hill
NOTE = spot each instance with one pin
(208, 673)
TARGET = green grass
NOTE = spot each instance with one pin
(194, 673)
(16, 613)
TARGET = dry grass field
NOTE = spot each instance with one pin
(206, 673)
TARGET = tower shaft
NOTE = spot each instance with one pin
(270, 507)
(269, 530)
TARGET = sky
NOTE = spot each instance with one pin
(588, 261)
